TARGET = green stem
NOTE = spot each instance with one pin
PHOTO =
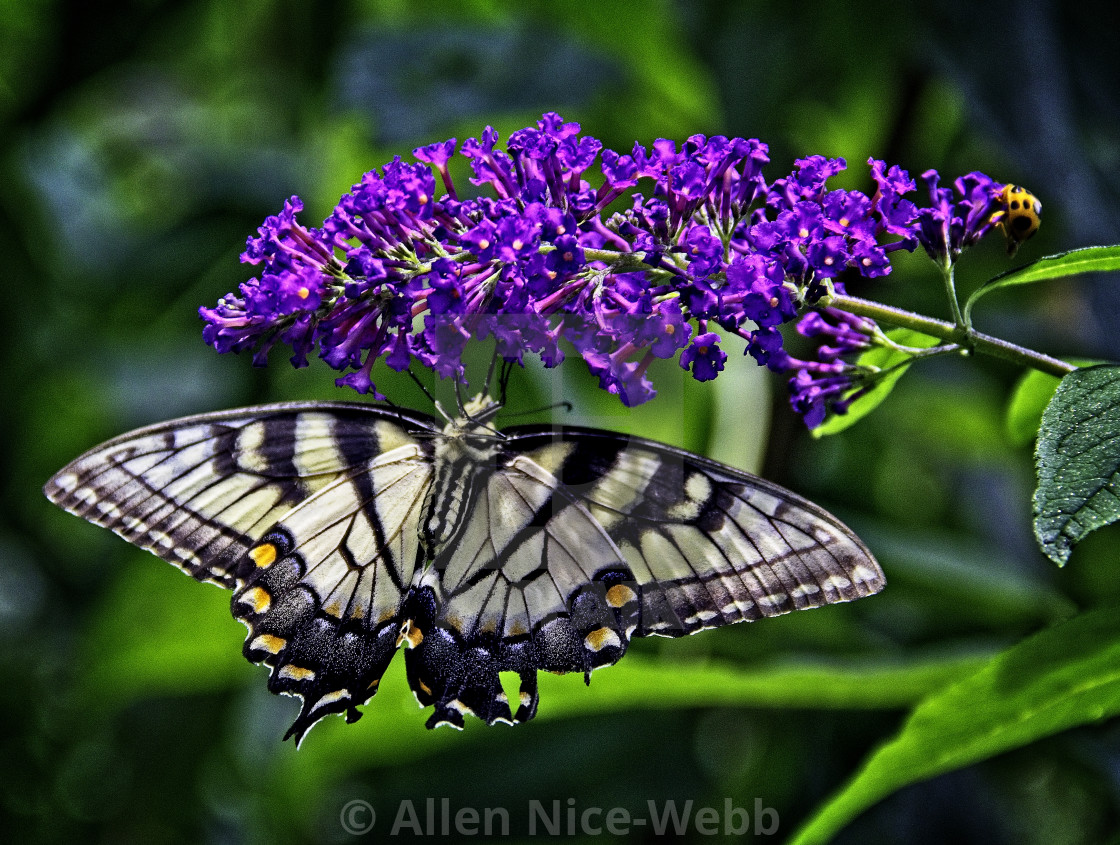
(951, 292)
(968, 339)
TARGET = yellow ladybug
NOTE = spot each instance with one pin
(1020, 216)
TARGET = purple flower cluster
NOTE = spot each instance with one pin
(831, 380)
(541, 263)
(946, 228)
(827, 383)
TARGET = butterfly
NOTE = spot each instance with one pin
(347, 531)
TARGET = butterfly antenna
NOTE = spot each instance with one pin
(490, 371)
(459, 398)
(420, 384)
(565, 404)
(503, 380)
(428, 393)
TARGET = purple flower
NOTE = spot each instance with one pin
(704, 357)
(813, 395)
(625, 379)
(807, 183)
(765, 346)
(827, 383)
(896, 214)
(946, 227)
(675, 241)
(665, 330)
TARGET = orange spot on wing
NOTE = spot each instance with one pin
(263, 555)
(620, 594)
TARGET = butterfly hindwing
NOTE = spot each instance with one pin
(526, 587)
(323, 601)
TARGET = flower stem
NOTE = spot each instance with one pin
(951, 292)
(968, 339)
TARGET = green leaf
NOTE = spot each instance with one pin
(392, 732)
(1090, 259)
(1029, 399)
(884, 358)
(1078, 460)
(1065, 676)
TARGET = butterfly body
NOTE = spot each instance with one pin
(347, 532)
(467, 447)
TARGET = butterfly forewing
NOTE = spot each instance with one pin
(198, 491)
(715, 544)
(347, 531)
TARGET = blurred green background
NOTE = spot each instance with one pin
(141, 142)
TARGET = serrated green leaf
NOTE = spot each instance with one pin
(1090, 259)
(884, 358)
(1029, 399)
(1064, 676)
(1078, 460)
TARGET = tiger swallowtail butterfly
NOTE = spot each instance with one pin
(346, 531)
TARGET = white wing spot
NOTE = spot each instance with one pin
(685, 511)
(773, 600)
(823, 536)
(456, 704)
(249, 444)
(109, 509)
(804, 590)
(764, 502)
(161, 539)
(331, 697)
(837, 582)
(67, 482)
(698, 487)
(297, 673)
(188, 556)
(701, 616)
(863, 575)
